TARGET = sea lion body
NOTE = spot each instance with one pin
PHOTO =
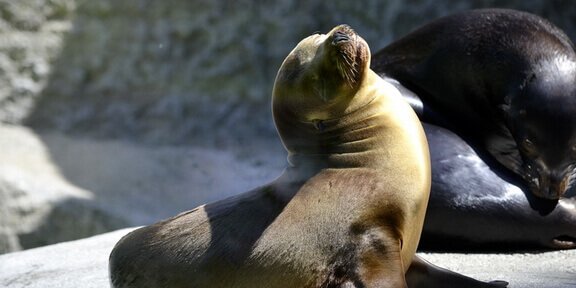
(505, 81)
(347, 212)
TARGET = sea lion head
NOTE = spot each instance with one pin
(543, 124)
(318, 81)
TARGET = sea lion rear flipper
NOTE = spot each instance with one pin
(379, 262)
(425, 274)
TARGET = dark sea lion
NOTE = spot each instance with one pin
(347, 211)
(476, 206)
(505, 81)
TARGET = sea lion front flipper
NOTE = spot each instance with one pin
(425, 274)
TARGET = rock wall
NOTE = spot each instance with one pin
(202, 71)
(31, 38)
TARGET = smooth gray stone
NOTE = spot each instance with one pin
(84, 263)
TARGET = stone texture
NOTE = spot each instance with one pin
(81, 263)
(38, 206)
(31, 37)
(202, 71)
(55, 188)
(84, 263)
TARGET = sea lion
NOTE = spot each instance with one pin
(505, 81)
(347, 211)
(478, 206)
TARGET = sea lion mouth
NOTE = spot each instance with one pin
(549, 185)
(341, 34)
(339, 37)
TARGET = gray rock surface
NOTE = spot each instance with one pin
(78, 264)
(31, 37)
(55, 188)
(84, 263)
(38, 206)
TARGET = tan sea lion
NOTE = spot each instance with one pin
(347, 211)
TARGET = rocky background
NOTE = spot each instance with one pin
(119, 113)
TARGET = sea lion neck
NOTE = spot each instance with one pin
(351, 140)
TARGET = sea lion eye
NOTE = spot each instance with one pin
(318, 124)
(528, 147)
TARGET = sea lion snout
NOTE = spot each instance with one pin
(321, 75)
(342, 33)
(352, 51)
(559, 183)
(555, 188)
(549, 183)
(543, 123)
(339, 37)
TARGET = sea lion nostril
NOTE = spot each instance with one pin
(339, 37)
